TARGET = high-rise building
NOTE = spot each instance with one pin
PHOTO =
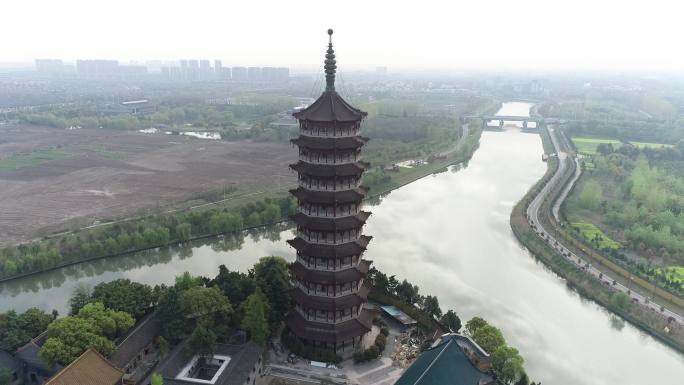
(329, 271)
(254, 74)
(239, 73)
(100, 69)
(50, 66)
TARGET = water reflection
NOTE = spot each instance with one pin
(52, 289)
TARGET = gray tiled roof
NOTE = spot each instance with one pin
(242, 360)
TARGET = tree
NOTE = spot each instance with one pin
(619, 300)
(272, 276)
(157, 379)
(79, 298)
(255, 321)
(69, 337)
(110, 323)
(206, 306)
(508, 364)
(591, 195)
(489, 338)
(202, 342)
(18, 329)
(5, 376)
(123, 295)
(183, 231)
(431, 306)
(186, 281)
(451, 321)
(407, 292)
(474, 324)
(174, 325)
(235, 285)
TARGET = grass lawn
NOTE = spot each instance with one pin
(34, 158)
(590, 232)
(588, 145)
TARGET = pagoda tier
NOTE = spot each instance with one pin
(330, 170)
(313, 143)
(306, 275)
(348, 249)
(304, 298)
(342, 335)
(334, 224)
(329, 272)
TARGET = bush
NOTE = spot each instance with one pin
(374, 351)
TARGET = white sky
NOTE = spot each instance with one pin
(418, 34)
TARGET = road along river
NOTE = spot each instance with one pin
(448, 233)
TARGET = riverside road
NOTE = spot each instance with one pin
(604, 275)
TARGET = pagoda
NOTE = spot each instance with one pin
(329, 271)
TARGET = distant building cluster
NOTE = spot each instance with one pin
(183, 70)
(199, 70)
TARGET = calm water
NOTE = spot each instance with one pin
(449, 234)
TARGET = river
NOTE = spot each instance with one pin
(448, 233)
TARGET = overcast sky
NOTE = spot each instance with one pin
(419, 34)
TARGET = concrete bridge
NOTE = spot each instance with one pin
(505, 118)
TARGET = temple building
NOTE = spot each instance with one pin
(329, 271)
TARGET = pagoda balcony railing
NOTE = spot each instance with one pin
(325, 319)
(336, 161)
(326, 241)
(324, 267)
(337, 187)
(324, 134)
(324, 213)
(327, 294)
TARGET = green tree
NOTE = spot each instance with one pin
(174, 325)
(186, 281)
(183, 231)
(157, 379)
(407, 292)
(273, 277)
(79, 297)
(69, 337)
(474, 324)
(206, 305)
(123, 295)
(489, 338)
(5, 376)
(619, 300)
(591, 195)
(235, 285)
(255, 320)
(254, 219)
(202, 341)
(451, 321)
(508, 364)
(110, 323)
(431, 306)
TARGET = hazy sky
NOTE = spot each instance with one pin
(422, 34)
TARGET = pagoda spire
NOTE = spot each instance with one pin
(330, 66)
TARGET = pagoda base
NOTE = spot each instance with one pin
(343, 338)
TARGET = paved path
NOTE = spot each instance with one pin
(605, 276)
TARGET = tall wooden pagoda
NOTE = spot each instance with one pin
(329, 271)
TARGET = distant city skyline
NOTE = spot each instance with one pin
(526, 34)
